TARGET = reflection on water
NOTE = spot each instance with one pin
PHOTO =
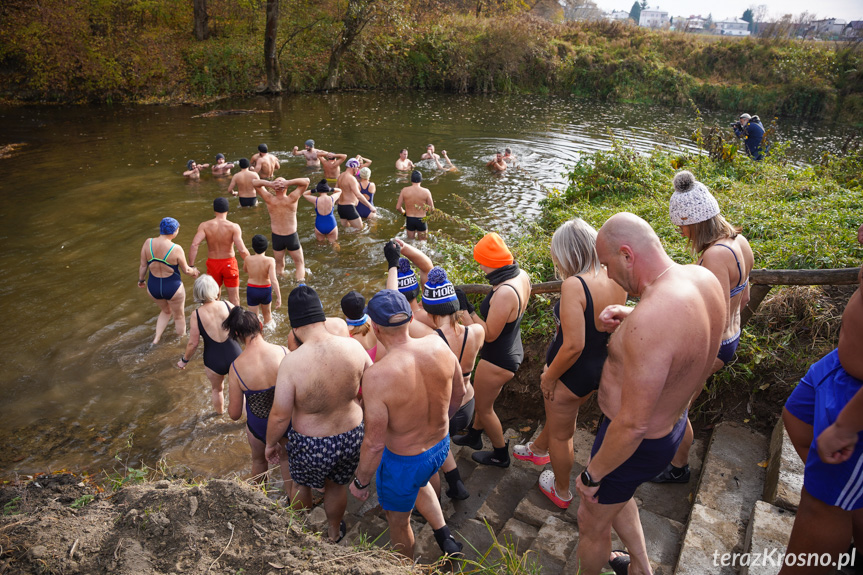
(92, 184)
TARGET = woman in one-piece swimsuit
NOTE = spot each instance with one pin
(326, 226)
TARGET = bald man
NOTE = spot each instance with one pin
(658, 359)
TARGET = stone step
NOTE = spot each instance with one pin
(768, 531)
(784, 471)
(732, 480)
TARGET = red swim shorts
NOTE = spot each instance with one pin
(224, 271)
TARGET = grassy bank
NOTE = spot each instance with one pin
(138, 51)
(797, 218)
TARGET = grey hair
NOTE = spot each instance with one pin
(573, 249)
(206, 289)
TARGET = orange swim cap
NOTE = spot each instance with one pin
(491, 251)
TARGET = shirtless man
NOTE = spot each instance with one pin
(430, 153)
(221, 168)
(827, 406)
(309, 153)
(264, 163)
(403, 163)
(283, 221)
(508, 156)
(497, 164)
(193, 169)
(417, 202)
(221, 237)
(658, 359)
(409, 396)
(261, 270)
(331, 162)
(316, 394)
(242, 181)
(351, 196)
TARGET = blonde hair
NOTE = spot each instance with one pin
(573, 249)
(205, 289)
(702, 234)
(360, 329)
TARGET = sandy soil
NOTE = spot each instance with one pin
(165, 527)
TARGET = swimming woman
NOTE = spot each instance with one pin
(160, 274)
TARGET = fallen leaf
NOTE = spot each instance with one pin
(276, 565)
(763, 463)
(525, 428)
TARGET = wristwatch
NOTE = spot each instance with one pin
(359, 485)
(588, 480)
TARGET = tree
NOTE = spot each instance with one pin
(635, 12)
(271, 59)
(644, 4)
(747, 15)
(201, 19)
(358, 14)
(708, 22)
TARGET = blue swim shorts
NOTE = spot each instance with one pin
(817, 400)
(650, 459)
(399, 478)
(257, 295)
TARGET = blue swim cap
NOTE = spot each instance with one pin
(310, 143)
(168, 226)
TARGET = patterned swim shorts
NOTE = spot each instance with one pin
(315, 459)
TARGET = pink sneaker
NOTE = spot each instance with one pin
(546, 485)
(525, 453)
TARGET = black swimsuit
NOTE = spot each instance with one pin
(218, 355)
(463, 345)
(506, 351)
(583, 376)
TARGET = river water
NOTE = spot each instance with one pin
(80, 383)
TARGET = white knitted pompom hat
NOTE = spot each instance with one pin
(691, 201)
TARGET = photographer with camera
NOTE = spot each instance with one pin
(749, 129)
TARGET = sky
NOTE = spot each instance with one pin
(845, 9)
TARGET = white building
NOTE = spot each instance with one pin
(690, 24)
(829, 27)
(617, 16)
(733, 27)
(653, 18)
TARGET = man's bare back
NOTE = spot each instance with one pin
(242, 181)
(414, 200)
(282, 206)
(265, 164)
(221, 236)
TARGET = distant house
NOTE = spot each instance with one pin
(828, 27)
(690, 24)
(617, 16)
(853, 29)
(653, 18)
(733, 27)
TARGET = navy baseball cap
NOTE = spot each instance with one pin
(389, 308)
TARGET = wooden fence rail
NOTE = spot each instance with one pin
(762, 281)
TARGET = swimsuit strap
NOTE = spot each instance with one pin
(516, 295)
(234, 365)
(227, 306)
(739, 271)
(163, 260)
(463, 345)
(587, 297)
(442, 336)
(284, 349)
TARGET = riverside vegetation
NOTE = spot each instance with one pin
(795, 217)
(144, 51)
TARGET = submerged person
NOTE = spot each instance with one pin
(193, 169)
(221, 167)
(359, 325)
(575, 357)
(253, 378)
(508, 156)
(502, 354)
(163, 282)
(415, 202)
(331, 163)
(441, 303)
(309, 153)
(261, 270)
(316, 403)
(403, 163)
(725, 252)
(497, 164)
(242, 181)
(219, 350)
(326, 226)
(367, 190)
